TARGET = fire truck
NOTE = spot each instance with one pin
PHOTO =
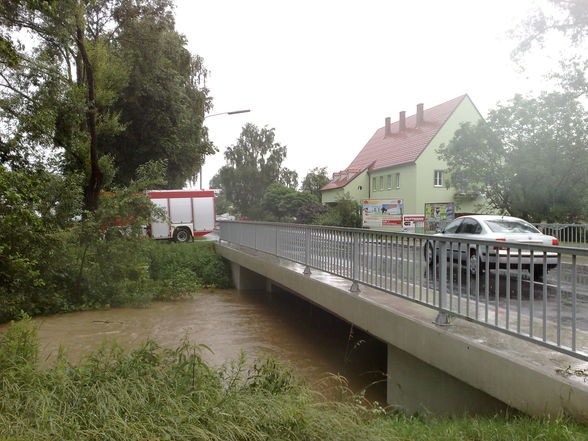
(189, 213)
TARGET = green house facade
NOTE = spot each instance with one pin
(400, 161)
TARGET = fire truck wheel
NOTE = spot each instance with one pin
(182, 234)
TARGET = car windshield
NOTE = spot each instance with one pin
(511, 226)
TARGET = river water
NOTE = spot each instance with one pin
(281, 325)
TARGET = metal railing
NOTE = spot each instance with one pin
(538, 293)
(566, 233)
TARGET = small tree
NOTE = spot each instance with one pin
(314, 180)
(345, 213)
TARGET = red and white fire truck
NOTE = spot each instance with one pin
(190, 213)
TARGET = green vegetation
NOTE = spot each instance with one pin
(345, 213)
(253, 164)
(89, 268)
(285, 204)
(100, 88)
(528, 158)
(157, 394)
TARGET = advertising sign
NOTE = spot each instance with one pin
(382, 213)
(438, 214)
(412, 222)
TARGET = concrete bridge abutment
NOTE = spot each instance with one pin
(417, 387)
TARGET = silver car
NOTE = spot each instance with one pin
(500, 229)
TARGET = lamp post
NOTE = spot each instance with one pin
(233, 112)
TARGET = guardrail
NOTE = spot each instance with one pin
(538, 293)
(569, 233)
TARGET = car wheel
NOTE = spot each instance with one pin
(181, 235)
(428, 250)
(474, 259)
(538, 274)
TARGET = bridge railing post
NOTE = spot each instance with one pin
(276, 240)
(443, 316)
(307, 250)
(355, 262)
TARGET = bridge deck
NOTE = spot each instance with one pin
(524, 375)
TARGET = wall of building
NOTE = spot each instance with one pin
(358, 189)
(407, 190)
(428, 161)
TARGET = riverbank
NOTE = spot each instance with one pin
(112, 272)
(152, 393)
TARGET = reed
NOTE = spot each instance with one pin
(159, 394)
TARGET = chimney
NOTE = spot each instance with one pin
(388, 128)
(420, 116)
(402, 122)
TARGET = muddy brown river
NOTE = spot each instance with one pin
(283, 326)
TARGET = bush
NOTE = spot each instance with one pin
(155, 394)
(183, 268)
(86, 268)
(345, 213)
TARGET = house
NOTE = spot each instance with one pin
(400, 162)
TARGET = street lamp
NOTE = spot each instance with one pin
(233, 112)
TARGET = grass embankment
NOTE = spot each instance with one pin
(117, 271)
(158, 394)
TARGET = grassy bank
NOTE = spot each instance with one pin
(157, 394)
(100, 272)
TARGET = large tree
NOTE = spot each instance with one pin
(165, 99)
(85, 92)
(252, 165)
(529, 159)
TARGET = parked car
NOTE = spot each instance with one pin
(500, 229)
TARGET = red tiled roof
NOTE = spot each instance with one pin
(400, 148)
(342, 178)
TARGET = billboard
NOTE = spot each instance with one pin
(382, 213)
(438, 214)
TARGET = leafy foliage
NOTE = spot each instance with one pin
(314, 180)
(164, 100)
(556, 19)
(253, 164)
(107, 86)
(52, 261)
(346, 212)
(529, 160)
(283, 203)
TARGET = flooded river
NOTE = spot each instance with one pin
(312, 341)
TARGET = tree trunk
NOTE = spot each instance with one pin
(96, 178)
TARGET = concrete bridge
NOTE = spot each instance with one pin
(457, 343)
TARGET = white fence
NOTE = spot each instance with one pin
(566, 233)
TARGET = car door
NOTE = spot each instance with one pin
(450, 232)
(468, 229)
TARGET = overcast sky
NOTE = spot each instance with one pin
(326, 73)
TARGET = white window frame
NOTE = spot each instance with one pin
(375, 183)
(389, 182)
(438, 178)
(397, 180)
(382, 182)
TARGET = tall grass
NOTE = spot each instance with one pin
(158, 394)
